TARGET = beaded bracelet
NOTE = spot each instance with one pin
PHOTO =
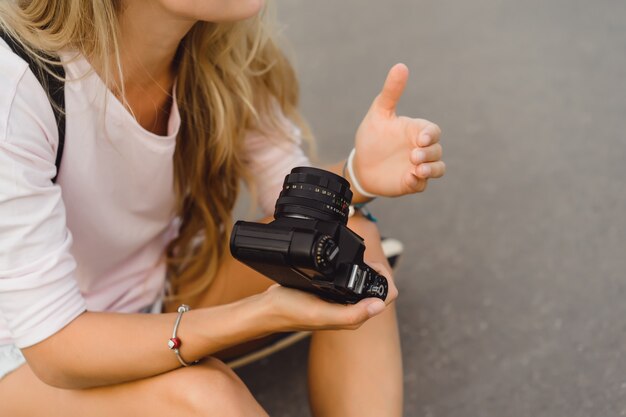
(175, 343)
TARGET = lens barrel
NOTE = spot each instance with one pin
(314, 193)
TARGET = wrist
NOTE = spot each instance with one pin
(221, 327)
(263, 318)
(274, 320)
(349, 172)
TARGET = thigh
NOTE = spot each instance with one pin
(357, 372)
(209, 388)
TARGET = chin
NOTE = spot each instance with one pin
(214, 10)
(253, 8)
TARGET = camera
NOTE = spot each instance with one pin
(308, 246)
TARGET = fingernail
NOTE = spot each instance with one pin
(425, 140)
(376, 307)
(425, 170)
(420, 156)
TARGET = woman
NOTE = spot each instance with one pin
(169, 105)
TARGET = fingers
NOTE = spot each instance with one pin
(413, 183)
(338, 316)
(428, 162)
(429, 135)
(300, 310)
(388, 99)
(432, 153)
(430, 170)
(427, 153)
(421, 132)
(362, 311)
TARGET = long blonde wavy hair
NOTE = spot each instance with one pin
(229, 78)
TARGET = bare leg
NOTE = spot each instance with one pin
(358, 373)
(208, 389)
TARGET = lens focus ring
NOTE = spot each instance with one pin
(314, 193)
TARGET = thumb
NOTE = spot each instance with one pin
(388, 99)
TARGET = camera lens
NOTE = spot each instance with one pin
(314, 193)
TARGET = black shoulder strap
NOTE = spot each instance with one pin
(54, 86)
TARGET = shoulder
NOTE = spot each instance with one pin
(23, 102)
(12, 69)
(11, 65)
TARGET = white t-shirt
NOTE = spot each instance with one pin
(95, 239)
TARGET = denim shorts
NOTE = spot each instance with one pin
(11, 357)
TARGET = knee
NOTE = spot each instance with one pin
(208, 389)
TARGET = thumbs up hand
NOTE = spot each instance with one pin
(396, 155)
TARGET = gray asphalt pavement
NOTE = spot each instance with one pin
(513, 302)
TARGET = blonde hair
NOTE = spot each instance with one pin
(230, 77)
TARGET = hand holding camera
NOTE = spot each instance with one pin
(296, 310)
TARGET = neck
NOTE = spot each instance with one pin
(149, 39)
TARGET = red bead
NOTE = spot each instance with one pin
(174, 343)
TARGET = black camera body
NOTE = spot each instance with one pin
(308, 246)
